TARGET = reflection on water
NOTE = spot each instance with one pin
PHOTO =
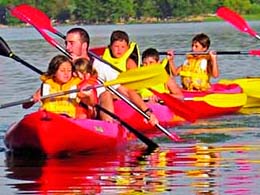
(188, 169)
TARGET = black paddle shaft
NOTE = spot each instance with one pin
(143, 138)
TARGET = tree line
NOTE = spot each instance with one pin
(127, 11)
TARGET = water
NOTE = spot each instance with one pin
(223, 157)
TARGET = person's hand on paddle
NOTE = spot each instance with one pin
(214, 63)
(36, 97)
(170, 55)
(153, 119)
(213, 55)
(89, 97)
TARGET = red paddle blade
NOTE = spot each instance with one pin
(29, 14)
(177, 106)
(254, 52)
(236, 20)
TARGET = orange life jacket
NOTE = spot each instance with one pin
(83, 110)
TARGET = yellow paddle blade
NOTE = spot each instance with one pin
(249, 85)
(143, 77)
(223, 100)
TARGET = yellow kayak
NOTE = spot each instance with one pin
(250, 86)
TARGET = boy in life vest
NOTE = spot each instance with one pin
(197, 69)
(59, 78)
(151, 57)
(122, 53)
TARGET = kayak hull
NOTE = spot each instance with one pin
(53, 135)
(206, 109)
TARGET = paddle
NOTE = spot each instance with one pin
(250, 52)
(236, 20)
(32, 19)
(6, 51)
(176, 104)
(25, 12)
(222, 100)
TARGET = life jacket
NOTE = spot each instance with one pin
(65, 104)
(161, 87)
(120, 63)
(83, 110)
(193, 77)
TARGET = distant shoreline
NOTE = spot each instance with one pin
(150, 20)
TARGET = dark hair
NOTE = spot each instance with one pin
(84, 66)
(151, 52)
(119, 35)
(84, 36)
(55, 63)
(203, 39)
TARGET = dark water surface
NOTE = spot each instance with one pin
(223, 157)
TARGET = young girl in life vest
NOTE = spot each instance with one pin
(85, 71)
(59, 78)
(197, 69)
(151, 57)
(122, 53)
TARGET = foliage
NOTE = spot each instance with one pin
(114, 11)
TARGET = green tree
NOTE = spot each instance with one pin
(121, 11)
(147, 8)
(181, 8)
(239, 6)
(87, 11)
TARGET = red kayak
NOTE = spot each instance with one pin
(220, 99)
(53, 135)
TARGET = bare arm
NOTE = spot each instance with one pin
(174, 88)
(214, 63)
(174, 70)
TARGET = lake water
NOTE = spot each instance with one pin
(223, 158)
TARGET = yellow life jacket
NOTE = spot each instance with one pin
(161, 87)
(120, 63)
(65, 104)
(193, 77)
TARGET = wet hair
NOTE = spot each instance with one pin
(84, 66)
(55, 63)
(151, 52)
(84, 36)
(203, 39)
(119, 35)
